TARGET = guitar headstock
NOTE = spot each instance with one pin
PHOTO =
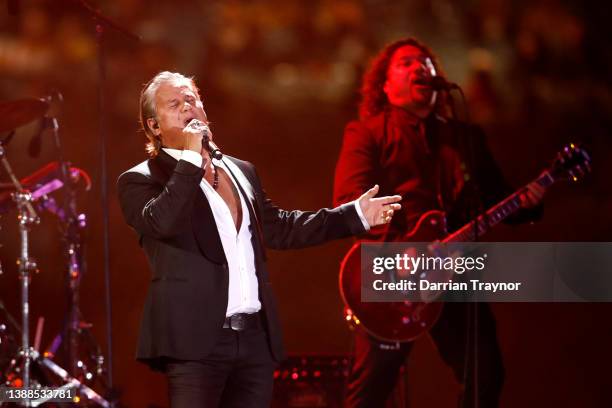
(572, 162)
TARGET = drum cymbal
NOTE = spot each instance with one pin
(14, 114)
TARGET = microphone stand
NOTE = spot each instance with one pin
(476, 210)
(101, 24)
(75, 332)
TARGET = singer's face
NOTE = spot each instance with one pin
(177, 103)
(407, 79)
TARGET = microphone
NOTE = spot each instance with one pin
(35, 144)
(212, 148)
(440, 84)
(47, 122)
(207, 143)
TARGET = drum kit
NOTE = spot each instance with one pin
(23, 364)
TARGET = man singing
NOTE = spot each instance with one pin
(210, 320)
(406, 142)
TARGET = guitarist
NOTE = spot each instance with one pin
(406, 142)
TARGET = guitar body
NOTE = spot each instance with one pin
(391, 321)
(405, 321)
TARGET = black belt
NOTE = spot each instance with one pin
(242, 321)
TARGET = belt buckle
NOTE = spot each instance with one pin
(238, 322)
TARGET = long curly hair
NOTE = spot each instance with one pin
(373, 97)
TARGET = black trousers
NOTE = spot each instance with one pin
(375, 369)
(238, 373)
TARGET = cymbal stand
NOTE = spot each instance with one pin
(27, 217)
(3, 143)
(76, 332)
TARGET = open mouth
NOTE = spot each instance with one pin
(422, 81)
(187, 121)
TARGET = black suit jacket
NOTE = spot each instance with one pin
(187, 298)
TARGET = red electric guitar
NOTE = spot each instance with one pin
(405, 321)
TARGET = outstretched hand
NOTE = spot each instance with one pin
(379, 210)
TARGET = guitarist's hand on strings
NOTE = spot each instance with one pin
(532, 195)
(379, 210)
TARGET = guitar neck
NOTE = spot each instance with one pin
(495, 214)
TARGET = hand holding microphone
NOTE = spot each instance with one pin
(207, 143)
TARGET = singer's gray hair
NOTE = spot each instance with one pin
(149, 110)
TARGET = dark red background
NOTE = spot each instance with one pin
(279, 81)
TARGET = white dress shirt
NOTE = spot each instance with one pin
(243, 293)
(243, 287)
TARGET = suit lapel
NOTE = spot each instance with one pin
(202, 219)
(206, 231)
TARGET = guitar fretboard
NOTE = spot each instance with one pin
(495, 214)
